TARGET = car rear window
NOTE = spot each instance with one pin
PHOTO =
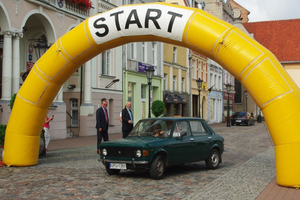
(240, 114)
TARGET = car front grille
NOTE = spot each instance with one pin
(121, 152)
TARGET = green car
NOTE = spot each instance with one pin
(157, 143)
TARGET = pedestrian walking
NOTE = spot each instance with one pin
(46, 130)
(127, 120)
(102, 124)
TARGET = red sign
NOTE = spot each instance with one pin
(30, 49)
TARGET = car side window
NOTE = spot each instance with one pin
(197, 128)
(181, 126)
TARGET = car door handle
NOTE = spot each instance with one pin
(209, 138)
(192, 139)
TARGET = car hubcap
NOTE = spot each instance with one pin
(214, 159)
(159, 167)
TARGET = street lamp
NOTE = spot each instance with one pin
(228, 87)
(199, 84)
(41, 47)
(149, 72)
(246, 96)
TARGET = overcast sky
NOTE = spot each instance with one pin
(265, 10)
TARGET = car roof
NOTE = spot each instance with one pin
(175, 118)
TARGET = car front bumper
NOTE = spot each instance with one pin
(134, 163)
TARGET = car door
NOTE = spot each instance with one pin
(182, 147)
(202, 140)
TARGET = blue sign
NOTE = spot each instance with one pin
(30, 57)
(143, 66)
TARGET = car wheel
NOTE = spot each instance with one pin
(232, 124)
(157, 168)
(112, 171)
(214, 160)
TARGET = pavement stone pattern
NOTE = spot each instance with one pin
(245, 182)
(248, 166)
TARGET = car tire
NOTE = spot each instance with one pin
(157, 168)
(112, 171)
(248, 123)
(214, 160)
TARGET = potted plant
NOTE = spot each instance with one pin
(81, 4)
(158, 107)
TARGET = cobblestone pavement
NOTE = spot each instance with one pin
(248, 166)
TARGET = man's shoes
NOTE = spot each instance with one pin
(98, 151)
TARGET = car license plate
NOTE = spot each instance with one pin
(117, 166)
(238, 121)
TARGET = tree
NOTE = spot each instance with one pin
(158, 108)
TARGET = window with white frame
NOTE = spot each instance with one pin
(174, 54)
(204, 72)
(105, 62)
(74, 112)
(216, 80)
(174, 83)
(194, 67)
(199, 70)
(183, 84)
(133, 50)
(144, 52)
(165, 81)
(154, 53)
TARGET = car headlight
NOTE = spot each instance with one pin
(104, 152)
(138, 153)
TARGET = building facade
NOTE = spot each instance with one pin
(141, 56)
(26, 27)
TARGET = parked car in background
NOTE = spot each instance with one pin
(242, 118)
(157, 143)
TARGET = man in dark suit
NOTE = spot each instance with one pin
(127, 120)
(102, 124)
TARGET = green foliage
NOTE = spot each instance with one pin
(12, 101)
(2, 134)
(158, 107)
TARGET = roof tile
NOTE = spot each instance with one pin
(281, 37)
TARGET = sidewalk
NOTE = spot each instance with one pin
(78, 142)
(271, 192)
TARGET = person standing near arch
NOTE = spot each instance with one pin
(102, 124)
(127, 120)
(46, 130)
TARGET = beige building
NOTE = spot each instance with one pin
(27, 29)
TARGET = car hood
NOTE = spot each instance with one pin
(131, 142)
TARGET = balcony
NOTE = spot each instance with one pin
(104, 6)
(71, 6)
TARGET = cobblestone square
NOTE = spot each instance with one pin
(75, 173)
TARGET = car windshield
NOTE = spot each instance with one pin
(152, 128)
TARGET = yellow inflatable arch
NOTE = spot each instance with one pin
(253, 65)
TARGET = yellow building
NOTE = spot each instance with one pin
(176, 85)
